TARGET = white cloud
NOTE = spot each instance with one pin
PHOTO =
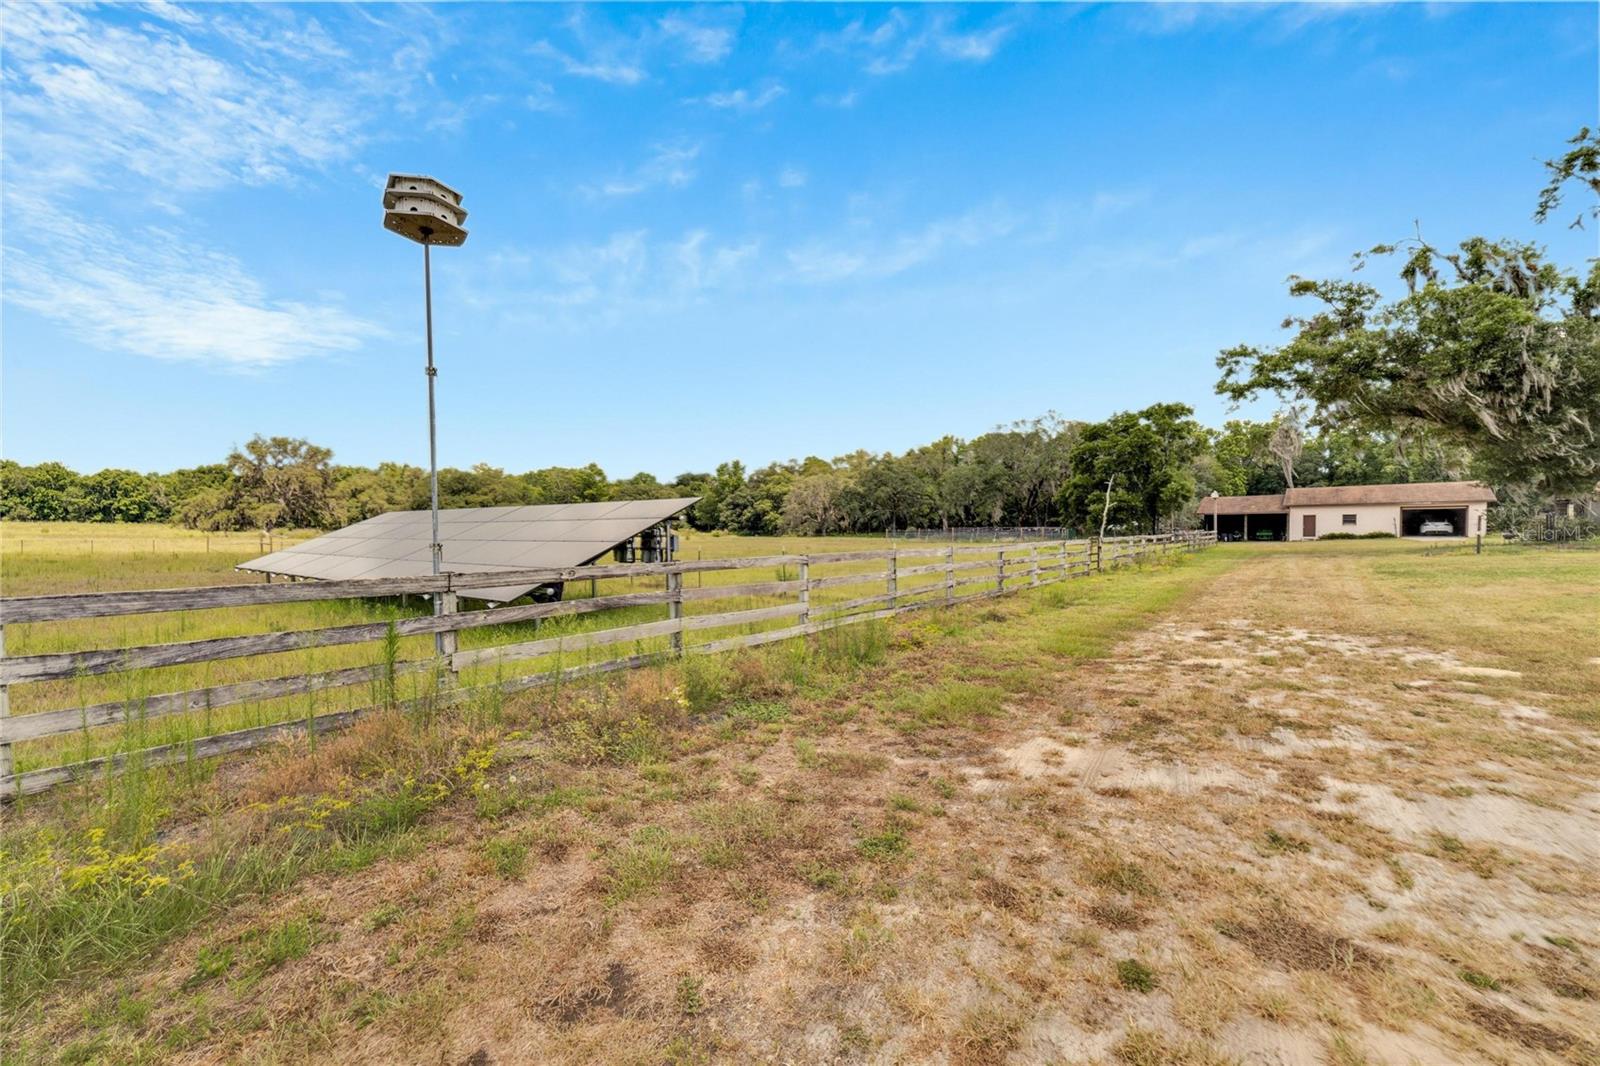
(541, 96)
(897, 42)
(156, 294)
(707, 265)
(598, 51)
(843, 101)
(670, 165)
(742, 100)
(826, 261)
(161, 9)
(702, 42)
(106, 115)
(1279, 20)
(83, 95)
(977, 47)
(792, 177)
(612, 70)
(629, 273)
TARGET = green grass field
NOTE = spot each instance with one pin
(42, 558)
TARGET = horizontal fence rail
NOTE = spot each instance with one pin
(956, 534)
(791, 599)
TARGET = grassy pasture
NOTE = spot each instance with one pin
(54, 560)
(37, 558)
(1322, 797)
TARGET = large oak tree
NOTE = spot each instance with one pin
(1492, 347)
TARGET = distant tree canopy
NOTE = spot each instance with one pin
(1493, 349)
(283, 482)
(1239, 460)
(1011, 476)
(1042, 472)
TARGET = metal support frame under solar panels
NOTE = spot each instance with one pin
(480, 540)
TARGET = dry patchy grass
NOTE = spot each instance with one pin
(1201, 813)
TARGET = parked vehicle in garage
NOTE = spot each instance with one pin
(1437, 529)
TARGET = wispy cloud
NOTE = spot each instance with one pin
(610, 69)
(156, 293)
(671, 165)
(742, 100)
(898, 41)
(601, 52)
(104, 114)
(824, 261)
(637, 271)
(1279, 20)
(83, 95)
(628, 273)
(541, 96)
(702, 40)
(843, 101)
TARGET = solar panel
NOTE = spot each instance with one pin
(476, 540)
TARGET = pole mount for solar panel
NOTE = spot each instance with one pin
(429, 212)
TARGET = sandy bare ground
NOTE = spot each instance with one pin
(1263, 831)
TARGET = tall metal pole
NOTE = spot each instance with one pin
(433, 438)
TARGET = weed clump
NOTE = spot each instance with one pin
(691, 996)
(507, 856)
(1135, 976)
(885, 846)
(1122, 875)
(955, 703)
(645, 861)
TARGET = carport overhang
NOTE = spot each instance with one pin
(1247, 523)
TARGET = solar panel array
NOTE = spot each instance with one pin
(476, 540)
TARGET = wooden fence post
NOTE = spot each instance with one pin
(805, 591)
(949, 575)
(448, 640)
(894, 578)
(1000, 574)
(675, 610)
(1034, 582)
(6, 765)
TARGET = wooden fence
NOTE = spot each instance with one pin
(797, 595)
(989, 534)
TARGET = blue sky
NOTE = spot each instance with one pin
(701, 233)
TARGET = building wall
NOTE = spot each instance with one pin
(1372, 518)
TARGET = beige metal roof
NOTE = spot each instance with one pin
(1418, 493)
(476, 540)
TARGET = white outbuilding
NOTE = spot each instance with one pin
(1415, 509)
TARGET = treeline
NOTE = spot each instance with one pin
(1156, 463)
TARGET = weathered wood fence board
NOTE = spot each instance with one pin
(999, 570)
(79, 663)
(71, 719)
